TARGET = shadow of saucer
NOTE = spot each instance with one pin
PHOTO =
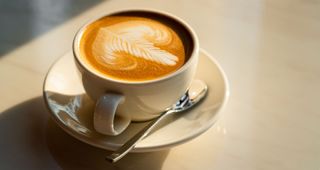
(71, 153)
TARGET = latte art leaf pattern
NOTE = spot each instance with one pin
(138, 41)
(134, 48)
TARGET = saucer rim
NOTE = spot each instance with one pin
(138, 149)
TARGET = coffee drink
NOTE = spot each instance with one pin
(134, 64)
(135, 46)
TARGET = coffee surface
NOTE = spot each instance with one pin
(132, 48)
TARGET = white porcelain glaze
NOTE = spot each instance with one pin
(73, 110)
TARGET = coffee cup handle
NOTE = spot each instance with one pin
(105, 120)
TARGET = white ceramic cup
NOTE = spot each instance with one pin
(118, 102)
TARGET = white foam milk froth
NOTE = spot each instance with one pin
(136, 38)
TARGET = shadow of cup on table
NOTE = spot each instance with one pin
(23, 143)
(31, 140)
(71, 153)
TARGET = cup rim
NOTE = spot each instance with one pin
(193, 55)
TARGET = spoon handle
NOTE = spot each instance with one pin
(130, 144)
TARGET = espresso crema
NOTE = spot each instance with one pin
(132, 48)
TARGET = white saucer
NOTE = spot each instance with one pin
(72, 109)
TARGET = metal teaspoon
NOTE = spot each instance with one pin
(196, 92)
